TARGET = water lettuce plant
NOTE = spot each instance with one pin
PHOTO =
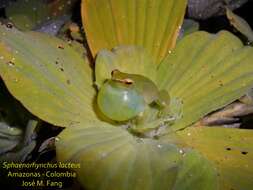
(34, 14)
(171, 84)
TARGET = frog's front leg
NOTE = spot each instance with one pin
(152, 128)
(163, 103)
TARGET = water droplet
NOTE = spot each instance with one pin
(220, 83)
(60, 46)
(188, 134)
(159, 146)
(13, 59)
(10, 128)
(169, 51)
(9, 25)
(11, 64)
(181, 151)
(55, 27)
(103, 155)
(57, 139)
(139, 140)
(248, 43)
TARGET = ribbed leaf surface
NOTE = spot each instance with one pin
(206, 72)
(50, 78)
(148, 23)
(230, 150)
(112, 159)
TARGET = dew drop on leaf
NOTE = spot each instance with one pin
(57, 139)
(9, 25)
(11, 64)
(103, 155)
(60, 46)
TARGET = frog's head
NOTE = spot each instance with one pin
(122, 77)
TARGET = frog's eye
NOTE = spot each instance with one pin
(114, 72)
(119, 101)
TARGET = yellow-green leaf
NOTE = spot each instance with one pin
(230, 150)
(206, 72)
(240, 24)
(147, 23)
(29, 14)
(112, 159)
(48, 76)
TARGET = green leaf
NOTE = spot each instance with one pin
(48, 76)
(230, 150)
(196, 173)
(10, 137)
(240, 24)
(206, 72)
(147, 23)
(27, 14)
(111, 158)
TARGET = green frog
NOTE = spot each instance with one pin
(125, 96)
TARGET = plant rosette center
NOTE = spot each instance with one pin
(199, 76)
(131, 100)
